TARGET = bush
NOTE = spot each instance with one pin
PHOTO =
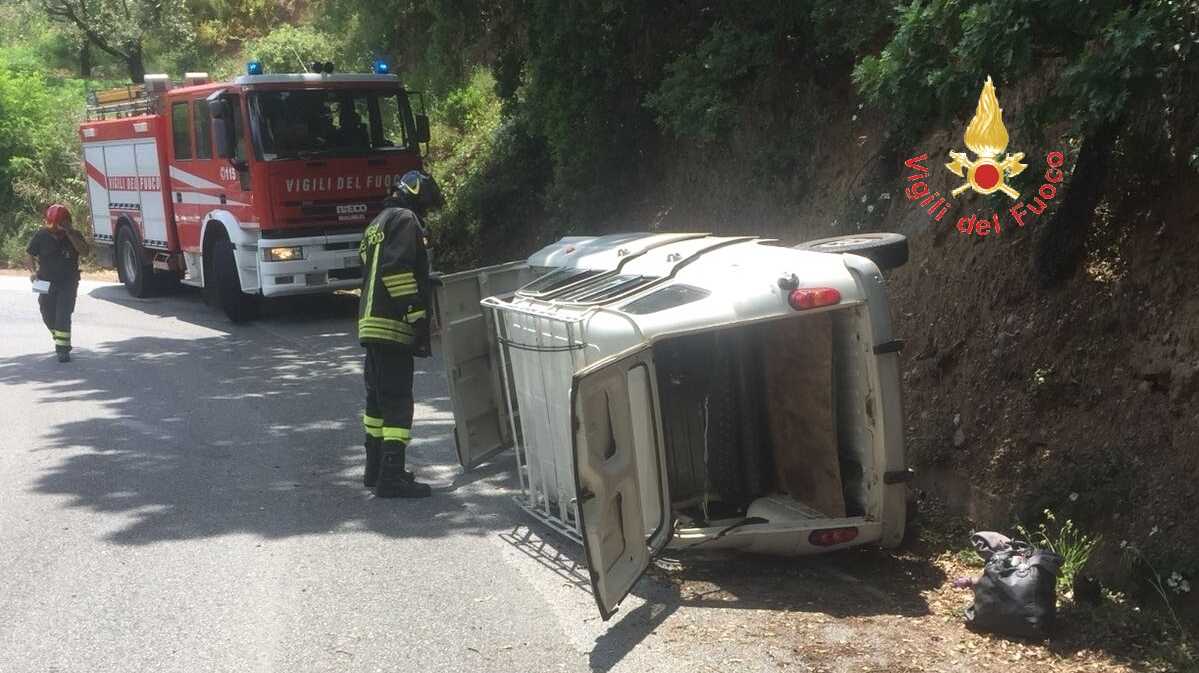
(1066, 540)
(492, 172)
(295, 48)
(699, 95)
(39, 151)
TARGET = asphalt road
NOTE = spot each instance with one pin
(186, 496)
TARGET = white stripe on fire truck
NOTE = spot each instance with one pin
(195, 198)
(192, 180)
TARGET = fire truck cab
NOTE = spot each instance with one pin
(258, 187)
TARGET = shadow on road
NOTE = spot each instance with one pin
(248, 432)
(187, 304)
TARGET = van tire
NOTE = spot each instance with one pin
(132, 270)
(886, 250)
(237, 305)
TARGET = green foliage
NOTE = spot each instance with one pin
(293, 49)
(1167, 588)
(492, 173)
(1066, 540)
(126, 29)
(1114, 55)
(699, 95)
(39, 151)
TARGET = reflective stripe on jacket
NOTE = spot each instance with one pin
(395, 280)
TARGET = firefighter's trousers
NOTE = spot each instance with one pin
(57, 306)
(388, 374)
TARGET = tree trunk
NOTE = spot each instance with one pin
(1061, 245)
(85, 59)
(135, 64)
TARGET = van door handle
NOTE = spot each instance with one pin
(178, 197)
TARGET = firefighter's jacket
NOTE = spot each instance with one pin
(395, 281)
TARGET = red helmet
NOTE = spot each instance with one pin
(57, 214)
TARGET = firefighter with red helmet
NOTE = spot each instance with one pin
(53, 257)
(393, 326)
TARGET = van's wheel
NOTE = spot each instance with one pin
(131, 265)
(888, 251)
(237, 305)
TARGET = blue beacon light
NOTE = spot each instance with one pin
(381, 67)
(254, 67)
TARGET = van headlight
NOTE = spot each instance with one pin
(282, 254)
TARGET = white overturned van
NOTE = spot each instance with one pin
(686, 390)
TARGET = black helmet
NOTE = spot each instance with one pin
(417, 191)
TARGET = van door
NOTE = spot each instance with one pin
(624, 501)
(471, 355)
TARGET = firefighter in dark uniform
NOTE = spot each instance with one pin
(53, 256)
(393, 325)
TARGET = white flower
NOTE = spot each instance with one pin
(1123, 544)
(1175, 576)
(1154, 531)
(885, 196)
(863, 198)
(1073, 497)
(870, 208)
(853, 118)
(1184, 587)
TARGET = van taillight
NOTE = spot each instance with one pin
(813, 297)
(828, 537)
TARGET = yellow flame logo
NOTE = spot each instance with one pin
(987, 137)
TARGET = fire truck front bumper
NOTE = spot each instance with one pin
(309, 265)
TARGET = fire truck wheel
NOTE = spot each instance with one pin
(237, 305)
(131, 265)
(888, 251)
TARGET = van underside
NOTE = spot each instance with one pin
(767, 427)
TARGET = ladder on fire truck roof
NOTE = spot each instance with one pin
(126, 101)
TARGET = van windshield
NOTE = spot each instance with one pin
(330, 122)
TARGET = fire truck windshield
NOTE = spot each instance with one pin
(330, 122)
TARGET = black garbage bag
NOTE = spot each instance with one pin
(1017, 593)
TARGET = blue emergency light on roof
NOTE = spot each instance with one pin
(381, 67)
(254, 67)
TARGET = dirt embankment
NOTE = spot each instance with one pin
(1083, 399)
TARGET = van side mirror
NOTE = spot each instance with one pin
(223, 127)
(422, 128)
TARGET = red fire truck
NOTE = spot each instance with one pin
(258, 187)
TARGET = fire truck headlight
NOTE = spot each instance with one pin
(282, 254)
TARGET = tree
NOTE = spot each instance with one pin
(119, 27)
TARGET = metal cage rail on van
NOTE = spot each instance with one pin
(551, 350)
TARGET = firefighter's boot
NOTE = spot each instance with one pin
(374, 449)
(394, 480)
